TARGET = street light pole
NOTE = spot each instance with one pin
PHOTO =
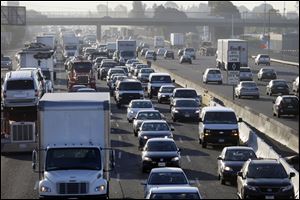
(106, 8)
(269, 39)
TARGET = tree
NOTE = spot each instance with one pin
(138, 10)
(224, 9)
(171, 4)
(121, 10)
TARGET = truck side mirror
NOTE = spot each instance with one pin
(219, 158)
(292, 174)
(240, 119)
(240, 174)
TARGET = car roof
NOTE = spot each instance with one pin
(265, 161)
(183, 89)
(167, 86)
(247, 81)
(141, 100)
(130, 80)
(217, 108)
(148, 110)
(185, 99)
(278, 80)
(159, 74)
(166, 169)
(288, 96)
(85, 89)
(155, 121)
(213, 68)
(238, 148)
(17, 75)
(161, 139)
(175, 189)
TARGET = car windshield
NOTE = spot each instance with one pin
(268, 70)
(5, 58)
(167, 178)
(249, 84)
(266, 171)
(71, 47)
(167, 89)
(147, 70)
(73, 158)
(155, 127)
(130, 86)
(161, 146)
(161, 79)
(149, 115)
(279, 83)
(141, 104)
(177, 195)
(127, 54)
(186, 103)
(82, 66)
(185, 94)
(214, 72)
(220, 118)
(239, 155)
(20, 85)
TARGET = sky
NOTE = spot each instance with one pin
(91, 5)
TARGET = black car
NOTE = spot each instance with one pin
(169, 54)
(264, 179)
(277, 86)
(160, 152)
(231, 161)
(184, 108)
(286, 105)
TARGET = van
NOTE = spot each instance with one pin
(21, 89)
(218, 126)
(156, 80)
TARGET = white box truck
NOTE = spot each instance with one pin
(70, 45)
(47, 40)
(126, 49)
(232, 51)
(159, 41)
(73, 158)
(177, 40)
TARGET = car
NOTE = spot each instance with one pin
(264, 179)
(143, 51)
(144, 115)
(185, 108)
(185, 58)
(218, 126)
(266, 73)
(246, 74)
(105, 65)
(180, 52)
(165, 92)
(174, 192)
(231, 161)
(156, 80)
(130, 61)
(143, 76)
(246, 88)
(149, 55)
(212, 75)
(160, 152)
(86, 90)
(277, 86)
(115, 79)
(138, 67)
(127, 90)
(295, 86)
(133, 67)
(114, 70)
(161, 51)
(190, 51)
(286, 105)
(169, 54)
(153, 129)
(136, 105)
(185, 93)
(6, 63)
(262, 59)
(165, 177)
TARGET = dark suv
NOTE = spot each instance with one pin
(264, 179)
(286, 105)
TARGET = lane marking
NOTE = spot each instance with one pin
(118, 177)
(188, 158)
(120, 138)
(117, 124)
(119, 155)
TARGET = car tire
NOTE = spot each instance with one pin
(222, 181)
(274, 114)
(150, 95)
(278, 115)
(135, 133)
(158, 100)
(174, 119)
(270, 93)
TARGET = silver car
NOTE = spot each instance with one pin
(165, 92)
(246, 74)
(136, 105)
(212, 75)
(247, 88)
(144, 115)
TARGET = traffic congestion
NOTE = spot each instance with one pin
(124, 117)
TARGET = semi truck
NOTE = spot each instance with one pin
(70, 44)
(232, 51)
(47, 40)
(126, 49)
(159, 41)
(177, 40)
(73, 157)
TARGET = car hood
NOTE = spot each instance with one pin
(234, 164)
(158, 154)
(187, 108)
(67, 175)
(268, 182)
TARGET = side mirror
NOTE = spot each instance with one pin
(240, 119)
(178, 150)
(66, 67)
(292, 174)
(173, 80)
(219, 158)
(172, 128)
(143, 183)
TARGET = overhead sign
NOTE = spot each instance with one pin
(233, 66)
(13, 15)
(233, 77)
(233, 56)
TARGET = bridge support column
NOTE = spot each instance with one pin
(98, 32)
(212, 35)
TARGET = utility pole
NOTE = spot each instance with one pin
(106, 8)
(265, 18)
(269, 39)
(232, 34)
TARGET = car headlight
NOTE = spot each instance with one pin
(228, 168)
(175, 158)
(147, 159)
(235, 132)
(251, 187)
(131, 112)
(45, 189)
(286, 188)
(145, 137)
(197, 111)
(176, 111)
(100, 188)
(163, 95)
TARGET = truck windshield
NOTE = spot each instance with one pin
(73, 158)
(161, 79)
(70, 47)
(220, 118)
(131, 86)
(82, 66)
(127, 54)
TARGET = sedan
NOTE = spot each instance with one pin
(165, 177)
(160, 152)
(231, 161)
(262, 59)
(164, 93)
(246, 74)
(277, 86)
(185, 59)
(144, 115)
(266, 73)
(169, 54)
(212, 75)
(184, 108)
(246, 88)
(153, 129)
(6, 63)
(136, 105)
(286, 105)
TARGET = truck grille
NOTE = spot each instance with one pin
(72, 188)
(22, 131)
(83, 79)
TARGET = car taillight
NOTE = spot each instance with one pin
(36, 93)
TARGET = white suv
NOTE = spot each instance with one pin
(21, 89)
(262, 59)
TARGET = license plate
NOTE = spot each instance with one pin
(20, 95)
(221, 140)
(187, 115)
(161, 164)
(269, 197)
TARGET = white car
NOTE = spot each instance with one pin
(262, 59)
(165, 92)
(161, 51)
(165, 177)
(174, 192)
(149, 55)
(247, 88)
(137, 105)
(212, 75)
(295, 87)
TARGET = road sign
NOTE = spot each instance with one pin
(233, 77)
(233, 66)
(13, 15)
(233, 56)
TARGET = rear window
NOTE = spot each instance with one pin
(20, 85)
(290, 100)
(214, 72)
(249, 84)
(141, 104)
(245, 69)
(220, 118)
(264, 56)
(185, 94)
(167, 90)
(130, 86)
(148, 115)
(161, 79)
(161, 146)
